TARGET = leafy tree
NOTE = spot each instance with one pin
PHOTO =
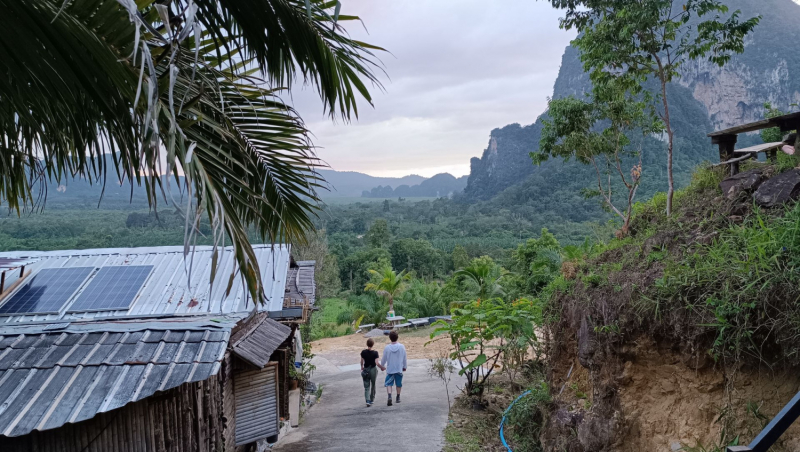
(416, 255)
(536, 263)
(173, 88)
(634, 40)
(453, 293)
(378, 235)
(460, 257)
(772, 134)
(479, 335)
(326, 271)
(354, 269)
(387, 283)
(596, 132)
(485, 275)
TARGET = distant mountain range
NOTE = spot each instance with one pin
(440, 185)
(353, 184)
(78, 193)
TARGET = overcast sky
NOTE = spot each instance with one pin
(457, 69)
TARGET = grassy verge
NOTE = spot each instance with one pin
(471, 430)
(323, 322)
(459, 439)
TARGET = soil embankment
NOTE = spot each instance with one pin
(681, 336)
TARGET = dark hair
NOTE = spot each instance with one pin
(370, 342)
(393, 336)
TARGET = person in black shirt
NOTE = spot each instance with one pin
(369, 371)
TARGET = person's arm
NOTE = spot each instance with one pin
(383, 362)
(362, 363)
(405, 361)
(379, 364)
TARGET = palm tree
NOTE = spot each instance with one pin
(184, 95)
(387, 283)
(486, 276)
(367, 307)
(424, 299)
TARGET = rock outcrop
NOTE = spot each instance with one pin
(743, 182)
(779, 189)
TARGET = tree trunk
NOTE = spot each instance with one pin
(671, 181)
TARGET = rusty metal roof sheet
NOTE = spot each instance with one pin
(256, 343)
(50, 378)
(171, 289)
(9, 263)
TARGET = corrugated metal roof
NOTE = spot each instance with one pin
(305, 280)
(48, 379)
(168, 290)
(300, 282)
(256, 343)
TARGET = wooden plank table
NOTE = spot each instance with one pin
(396, 320)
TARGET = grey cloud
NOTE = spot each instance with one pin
(457, 69)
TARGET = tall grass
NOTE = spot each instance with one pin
(745, 286)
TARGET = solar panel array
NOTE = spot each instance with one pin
(112, 288)
(47, 291)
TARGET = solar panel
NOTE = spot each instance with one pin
(47, 291)
(112, 288)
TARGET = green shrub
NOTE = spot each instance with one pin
(525, 419)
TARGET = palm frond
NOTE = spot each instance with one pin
(175, 82)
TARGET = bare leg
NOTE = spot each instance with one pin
(398, 390)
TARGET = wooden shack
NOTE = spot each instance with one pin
(181, 366)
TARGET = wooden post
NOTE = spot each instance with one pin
(726, 145)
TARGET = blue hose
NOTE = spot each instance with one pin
(503, 421)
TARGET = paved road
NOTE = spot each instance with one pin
(340, 421)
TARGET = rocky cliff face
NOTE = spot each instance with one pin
(767, 71)
(505, 161)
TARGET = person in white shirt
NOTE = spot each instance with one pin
(394, 362)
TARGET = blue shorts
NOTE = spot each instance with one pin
(394, 380)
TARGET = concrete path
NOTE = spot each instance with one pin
(340, 421)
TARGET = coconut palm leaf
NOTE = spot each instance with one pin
(485, 277)
(387, 283)
(189, 88)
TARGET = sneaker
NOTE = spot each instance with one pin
(369, 404)
(389, 402)
(398, 399)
